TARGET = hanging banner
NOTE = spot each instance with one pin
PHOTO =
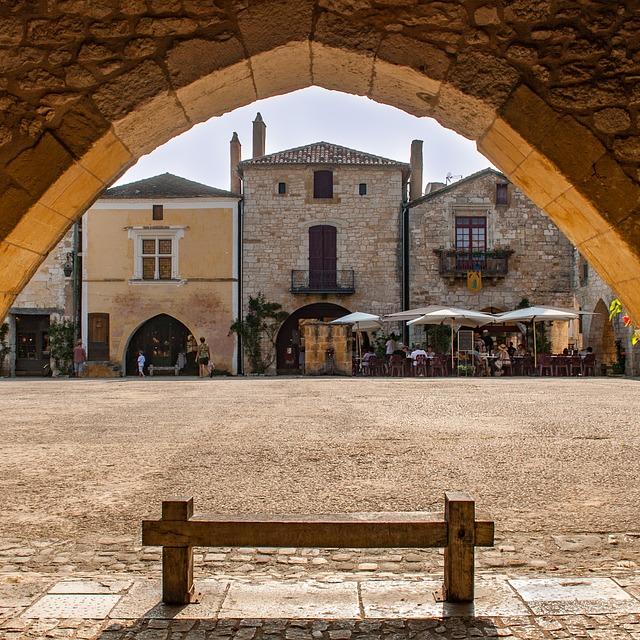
(474, 280)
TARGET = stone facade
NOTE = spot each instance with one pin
(327, 348)
(48, 293)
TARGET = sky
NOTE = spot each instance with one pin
(302, 117)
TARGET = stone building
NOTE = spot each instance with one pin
(160, 264)
(49, 296)
(321, 233)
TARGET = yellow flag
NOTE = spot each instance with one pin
(474, 280)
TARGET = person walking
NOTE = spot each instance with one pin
(79, 358)
(141, 361)
(203, 358)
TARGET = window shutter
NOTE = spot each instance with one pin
(323, 184)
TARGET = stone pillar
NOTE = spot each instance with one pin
(327, 348)
(415, 184)
(235, 158)
(259, 136)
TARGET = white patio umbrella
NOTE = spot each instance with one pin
(360, 321)
(533, 314)
(411, 314)
(453, 315)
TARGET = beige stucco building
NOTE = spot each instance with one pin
(160, 263)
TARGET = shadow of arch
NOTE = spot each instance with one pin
(277, 46)
(161, 337)
(288, 338)
(601, 334)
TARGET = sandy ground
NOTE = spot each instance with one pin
(85, 459)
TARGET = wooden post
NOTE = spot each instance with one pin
(459, 513)
(177, 562)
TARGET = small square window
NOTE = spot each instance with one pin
(282, 188)
(362, 188)
(158, 212)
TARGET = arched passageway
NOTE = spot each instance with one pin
(288, 341)
(549, 91)
(602, 337)
(162, 339)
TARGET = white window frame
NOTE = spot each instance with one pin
(138, 234)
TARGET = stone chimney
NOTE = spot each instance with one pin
(235, 158)
(259, 136)
(415, 184)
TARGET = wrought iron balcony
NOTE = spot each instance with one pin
(315, 281)
(456, 263)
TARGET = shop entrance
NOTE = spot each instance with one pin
(32, 345)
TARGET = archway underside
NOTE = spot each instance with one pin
(548, 90)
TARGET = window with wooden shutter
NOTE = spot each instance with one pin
(157, 258)
(502, 193)
(322, 256)
(158, 212)
(98, 342)
(322, 184)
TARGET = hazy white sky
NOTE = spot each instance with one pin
(305, 116)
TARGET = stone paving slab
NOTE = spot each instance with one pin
(144, 600)
(562, 596)
(81, 606)
(398, 599)
(292, 600)
(91, 586)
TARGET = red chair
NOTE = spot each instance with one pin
(396, 366)
(439, 365)
(575, 365)
(561, 366)
(545, 364)
(589, 365)
(422, 366)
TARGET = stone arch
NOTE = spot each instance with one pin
(602, 337)
(128, 366)
(287, 362)
(548, 93)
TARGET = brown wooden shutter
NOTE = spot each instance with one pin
(98, 347)
(323, 184)
(322, 256)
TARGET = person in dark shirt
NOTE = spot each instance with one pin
(488, 340)
(511, 350)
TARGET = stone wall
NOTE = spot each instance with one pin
(276, 234)
(327, 348)
(48, 292)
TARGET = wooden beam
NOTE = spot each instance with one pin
(459, 552)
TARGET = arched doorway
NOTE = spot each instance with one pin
(602, 338)
(288, 340)
(162, 339)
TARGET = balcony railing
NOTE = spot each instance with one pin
(315, 281)
(456, 263)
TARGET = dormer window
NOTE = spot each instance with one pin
(323, 184)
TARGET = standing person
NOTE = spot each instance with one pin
(141, 361)
(488, 341)
(79, 358)
(203, 358)
(390, 345)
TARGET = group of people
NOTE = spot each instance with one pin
(203, 359)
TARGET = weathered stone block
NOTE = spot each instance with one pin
(283, 69)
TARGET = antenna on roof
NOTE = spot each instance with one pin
(452, 178)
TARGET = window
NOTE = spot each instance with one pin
(98, 338)
(583, 272)
(502, 193)
(282, 188)
(155, 251)
(323, 184)
(322, 257)
(157, 258)
(158, 212)
(362, 188)
(471, 242)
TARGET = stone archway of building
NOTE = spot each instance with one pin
(546, 90)
(162, 338)
(288, 338)
(602, 337)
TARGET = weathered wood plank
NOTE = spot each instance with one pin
(324, 533)
(177, 509)
(459, 552)
(177, 575)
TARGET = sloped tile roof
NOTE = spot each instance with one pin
(324, 153)
(166, 185)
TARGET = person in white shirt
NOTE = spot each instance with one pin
(418, 351)
(390, 345)
(141, 361)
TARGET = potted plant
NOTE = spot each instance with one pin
(61, 341)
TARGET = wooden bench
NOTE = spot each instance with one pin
(153, 368)
(459, 533)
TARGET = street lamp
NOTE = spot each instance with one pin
(68, 266)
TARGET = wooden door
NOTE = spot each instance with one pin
(32, 345)
(322, 257)
(98, 325)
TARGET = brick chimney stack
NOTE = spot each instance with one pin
(235, 158)
(415, 184)
(259, 136)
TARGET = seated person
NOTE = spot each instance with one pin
(430, 352)
(366, 357)
(502, 361)
(418, 351)
(521, 351)
(406, 352)
(511, 349)
(586, 352)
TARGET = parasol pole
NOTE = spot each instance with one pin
(535, 345)
(452, 363)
